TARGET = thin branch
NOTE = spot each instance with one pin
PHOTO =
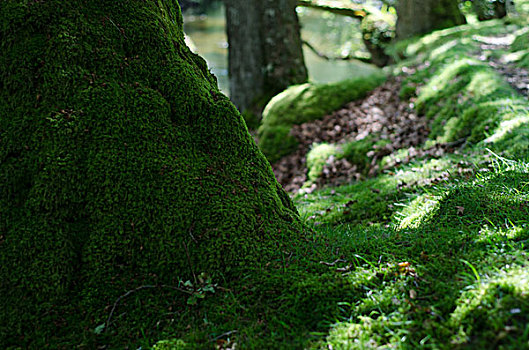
(224, 335)
(349, 10)
(333, 263)
(132, 291)
(339, 58)
(190, 264)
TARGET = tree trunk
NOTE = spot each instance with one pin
(418, 17)
(121, 165)
(265, 51)
(486, 9)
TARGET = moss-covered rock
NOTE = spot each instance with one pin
(121, 165)
(304, 103)
(354, 151)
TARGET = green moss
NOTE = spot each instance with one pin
(172, 344)
(407, 91)
(278, 139)
(316, 159)
(519, 48)
(356, 151)
(466, 99)
(496, 309)
(121, 165)
(521, 42)
(512, 138)
(456, 230)
(494, 200)
(304, 103)
(524, 61)
(416, 48)
(417, 274)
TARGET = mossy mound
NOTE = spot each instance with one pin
(422, 48)
(466, 99)
(521, 42)
(520, 48)
(121, 165)
(317, 157)
(497, 309)
(304, 103)
(524, 61)
(354, 151)
(499, 199)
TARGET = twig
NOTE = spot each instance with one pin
(190, 264)
(118, 28)
(147, 286)
(350, 11)
(191, 233)
(338, 58)
(224, 334)
(344, 269)
(333, 263)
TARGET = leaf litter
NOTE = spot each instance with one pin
(381, 115)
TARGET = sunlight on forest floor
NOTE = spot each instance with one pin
(445, 240)
(431, 249)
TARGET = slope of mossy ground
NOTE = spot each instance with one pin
(432, 254)
(303, 103)
(445, 241)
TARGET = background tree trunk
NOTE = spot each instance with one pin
(417, 17)
(265, 51)
(490, 9)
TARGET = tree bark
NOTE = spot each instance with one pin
(418, 17)
(265, 50)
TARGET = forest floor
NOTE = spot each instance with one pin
(439, 215)
(388, 120)
(420, 193)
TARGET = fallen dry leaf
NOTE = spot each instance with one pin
(413, 294)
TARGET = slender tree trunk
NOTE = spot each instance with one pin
(265, 52)
(417, 17)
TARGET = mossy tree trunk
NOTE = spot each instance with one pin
(418, 17)
(121, 165)
(490, 9)
(265, 50)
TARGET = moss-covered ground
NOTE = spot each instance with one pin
(431, 254)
